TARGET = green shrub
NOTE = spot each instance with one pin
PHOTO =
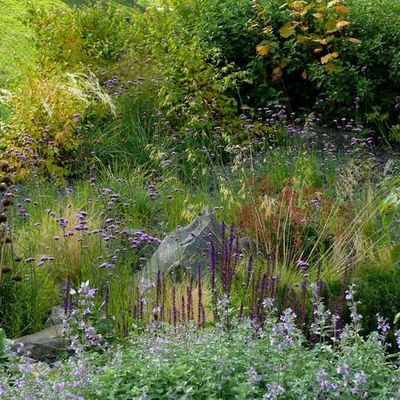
(379, 293)
(344, 53)
(96, 35)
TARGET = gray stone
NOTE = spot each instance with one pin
(187, 247)
(56, 316)
(46, 345)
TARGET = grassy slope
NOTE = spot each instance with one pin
(15, 44)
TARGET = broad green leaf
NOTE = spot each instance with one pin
(329, 57)
(287, 30)
(354, 40)
(331, 66)
(307, 9)
(342, 9)
(263, 49)
(277, 73)
(334, 3)
(342, 24)
(330, 25)
(298, 5)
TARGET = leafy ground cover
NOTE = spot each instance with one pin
(241, 362)
(125, 122)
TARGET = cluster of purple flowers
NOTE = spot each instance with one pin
(141, 238)
(44, 259)
(117, 88)
(302, 265)
(82, 224)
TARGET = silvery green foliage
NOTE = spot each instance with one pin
(184, 362)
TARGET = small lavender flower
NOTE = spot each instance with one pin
(397, 336)
(62, 222)
(344, 371)
(383, 329)
(254, 376)
(287, 326)
(107, 265)
(323, 382)
(360, 385)
(352, 330)
(274, 391)
(320, 325)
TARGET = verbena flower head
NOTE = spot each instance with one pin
(303, 265)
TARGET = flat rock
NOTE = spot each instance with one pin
(46, 345)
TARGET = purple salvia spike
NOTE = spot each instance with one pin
(213, 265)
(141, 309)
(183, 317)
(174, 310)
(163, 286)
(200, 298)
(223, 228)
(303, 302)
(67, 296)
(236, 255)
(158, 294)
(137, 304)
(107, 299)
(203, 315)
(273, 286)
(226, 270)
(190, 312)
(247, 283)
(253, 297)
(293, 300)
(264, 286)
(319, 265)
(188, 304)
(320, 287)
(229, 250)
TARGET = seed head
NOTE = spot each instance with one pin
(6, 202)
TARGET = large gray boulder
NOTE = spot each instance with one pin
(187, 247)
(56, 316)
(46, 345)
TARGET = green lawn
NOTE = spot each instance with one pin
(16, 47)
